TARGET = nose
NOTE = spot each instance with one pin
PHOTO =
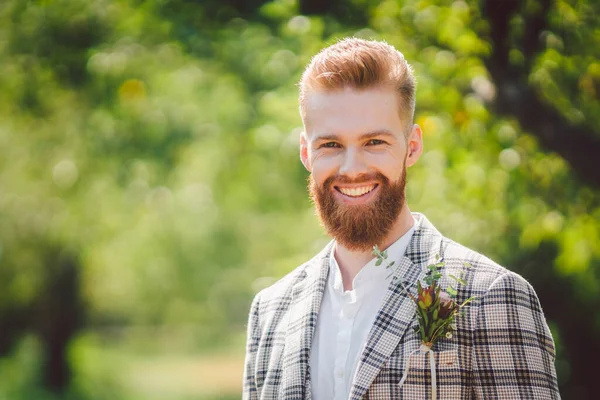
(353, 165)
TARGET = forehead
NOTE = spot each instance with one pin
(350, 111)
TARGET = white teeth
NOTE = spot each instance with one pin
(356, 192)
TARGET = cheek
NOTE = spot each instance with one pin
(324, 166)
(390, 164)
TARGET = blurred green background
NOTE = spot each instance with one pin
(150, 183)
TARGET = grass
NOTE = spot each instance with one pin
(159, 373)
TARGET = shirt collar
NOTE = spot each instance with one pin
(371, 272)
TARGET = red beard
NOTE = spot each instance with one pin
(361, 226)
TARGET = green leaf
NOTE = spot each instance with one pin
(378, 262)
(451, 291)
(422, 332)
(467, 301)
(432, 268)
(431, 329)
(459, 280)
(467, 264)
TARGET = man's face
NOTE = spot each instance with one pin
(357, 152)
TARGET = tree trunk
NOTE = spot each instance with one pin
(59, 319)
(577, 144)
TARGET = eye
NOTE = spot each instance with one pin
(375, 142)
(330, 145)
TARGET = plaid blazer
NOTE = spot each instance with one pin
(502, 347)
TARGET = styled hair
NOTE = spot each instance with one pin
(360, 64)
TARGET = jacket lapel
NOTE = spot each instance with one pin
(307, 294)
(397, 311)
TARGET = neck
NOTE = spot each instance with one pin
(352, 261)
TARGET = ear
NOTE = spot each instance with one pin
(414, 145)
(304, 151)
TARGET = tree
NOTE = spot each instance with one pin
(149, 174)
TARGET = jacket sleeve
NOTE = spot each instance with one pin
(513, 351)
(250, 390)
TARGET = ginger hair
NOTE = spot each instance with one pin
(361, 64)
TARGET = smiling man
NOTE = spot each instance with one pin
(341, 327)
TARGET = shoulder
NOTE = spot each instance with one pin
(481, 273)
(501, 297)
(282, 288)
(281, 291)
(503, 300)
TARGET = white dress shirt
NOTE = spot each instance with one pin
(344, 322)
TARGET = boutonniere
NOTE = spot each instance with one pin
(436, 309)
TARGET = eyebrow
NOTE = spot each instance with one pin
(364, 136)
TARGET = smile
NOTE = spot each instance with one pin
(356, 191)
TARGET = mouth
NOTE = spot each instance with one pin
(357, 191)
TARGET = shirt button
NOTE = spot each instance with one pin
(340, 373)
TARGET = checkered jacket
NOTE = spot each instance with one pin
(502, 348)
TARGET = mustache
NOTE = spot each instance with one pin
(362, 178)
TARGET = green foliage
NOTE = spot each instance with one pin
(155, 144)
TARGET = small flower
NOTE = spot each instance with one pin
(448, 335)
(426, 297)
(447, 305)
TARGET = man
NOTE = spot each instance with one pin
(341, 327)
